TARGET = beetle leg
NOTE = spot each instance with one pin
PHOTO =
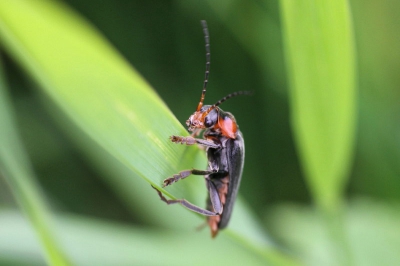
(190, 141)
(214, 196)
(187, 205)
(186, 173)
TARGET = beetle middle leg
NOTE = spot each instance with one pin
(186, 173)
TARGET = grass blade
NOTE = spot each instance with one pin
(321, 67)
(16, 168)
(320, 60)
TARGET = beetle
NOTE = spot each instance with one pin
(225, 152)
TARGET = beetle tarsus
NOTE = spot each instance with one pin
(177, 177)
(183, 140)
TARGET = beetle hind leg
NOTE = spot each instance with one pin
(186, 204)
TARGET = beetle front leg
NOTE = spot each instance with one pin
(186, 204)
(186, 173)
(191, 141)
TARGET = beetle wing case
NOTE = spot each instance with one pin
(235, 152)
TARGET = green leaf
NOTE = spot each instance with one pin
(320, 57)
(16, 168)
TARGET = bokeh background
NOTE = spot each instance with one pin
(164, 42)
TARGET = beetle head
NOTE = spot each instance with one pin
(206, 117)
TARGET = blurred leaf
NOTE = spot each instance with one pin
(16, 168)
(98, 243)
(19, 245)
(117, 111)
(372, 229)
(377, 169)
(320, 60)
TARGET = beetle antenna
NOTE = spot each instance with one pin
(207, 41)
(231, 95)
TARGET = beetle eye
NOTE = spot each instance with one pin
(209, 121)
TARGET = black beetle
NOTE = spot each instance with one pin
(225, 152)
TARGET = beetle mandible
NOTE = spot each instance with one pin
(225, 152)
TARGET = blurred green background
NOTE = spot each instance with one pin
(163, 41)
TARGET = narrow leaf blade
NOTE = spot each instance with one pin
(321, 68)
